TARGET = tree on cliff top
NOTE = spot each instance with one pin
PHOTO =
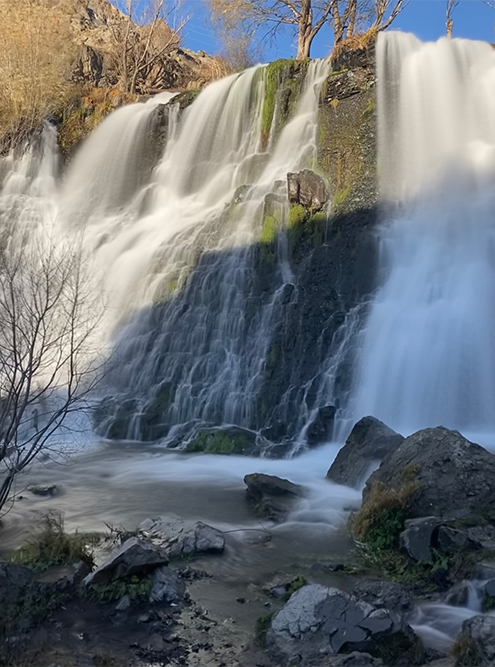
(47, 318)
(262, 19)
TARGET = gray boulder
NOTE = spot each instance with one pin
(368, 443)
(14, 580)
(166, 586)
(385, 594)
(178, 538)
(476, 643)
(133, 557)
(482, 535)
(308, 189)
(417, 538)
(319, 621)
(271, 497)
(46, 490)
(454, 478)
(450, 540)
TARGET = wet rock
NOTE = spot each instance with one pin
(46, 490)
(271, 497)
(483, 535)
(368, 443)
(454, 478)
(450, 540)
(385, 595)
(319, 621)
(484, 570)
(284, 585)
(417, 538)
(308, 189)
(232, 440)
(178, 538)
(355, 659)
(134, 557)
(166, 586)
(458, 595)
(320, 429)
(62, 578)
(476, 643)
(123, 604)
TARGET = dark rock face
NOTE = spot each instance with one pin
(476, 643)
(320, 429)
(179, 538)
(308, 189)
(270, 496)
(14, 580)
(455, 478)
(385, 595)
(417, 538)
(450, 540)
(133, 557)
(369, 441)
(320, 621)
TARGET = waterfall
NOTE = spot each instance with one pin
(179, 211)
(427, 353)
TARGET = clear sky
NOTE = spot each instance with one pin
(426, 18)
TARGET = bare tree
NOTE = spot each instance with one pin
(47, 318)
(264, 18)
(144, 38)
(449, 21)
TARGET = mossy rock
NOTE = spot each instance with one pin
(227, 441)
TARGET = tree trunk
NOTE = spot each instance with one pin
(305, 37)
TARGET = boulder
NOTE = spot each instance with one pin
(319, 621)
(133, 557)
(271, 497)
(178, 538)
(450, 540)
(47, 490)
(320, 429)
(484, 536)
(454, 478)
(417, 538)
(385, 595)
(166, 586)
(308, 189)
(368, 443)
(476, 643)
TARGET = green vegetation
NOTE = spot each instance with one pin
(261, 629)
(370, 109)
(340, 196)
(51, 545)
(137, 588)
(295, 585)
(274, 75)
(220, 442)
(269, 231)
(488, 602)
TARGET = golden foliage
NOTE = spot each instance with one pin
(355, 42)
(35, 55)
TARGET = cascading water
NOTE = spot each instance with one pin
(427, 355)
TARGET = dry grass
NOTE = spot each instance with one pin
(35, 55)
(357, 42)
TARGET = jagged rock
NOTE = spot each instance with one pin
(134, 557)
(320, 429)
(178, 538)
(454, 478)
(308, 189)
(166, 586)
(368, 443)
(385, 594)
(416, 540)
(271, 496)
(47, 490)
(476, 643)
(319, 621)
(62, 578)
(450, 540)
(123, 604)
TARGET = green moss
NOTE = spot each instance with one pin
(137, 588)
(370, 110)
(269, 231)
(297, 214)
(340, 196)
(297, 584)
(51, 545)
(220, 442)
(274, 73)
(261, 628)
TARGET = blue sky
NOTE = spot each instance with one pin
(426, 18)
